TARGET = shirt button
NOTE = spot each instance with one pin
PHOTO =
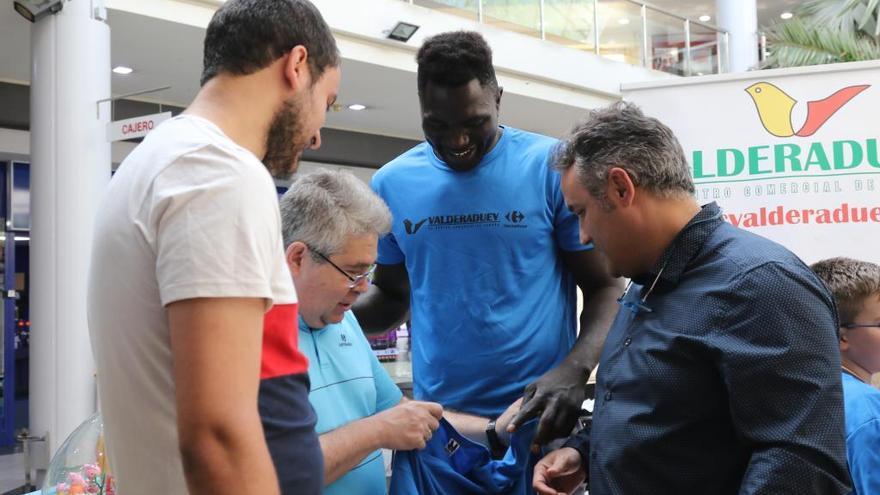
(608, 395)
(627, 342)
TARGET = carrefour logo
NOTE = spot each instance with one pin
(795, 158)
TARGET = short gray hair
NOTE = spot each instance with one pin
(620, 135)
(324, 208)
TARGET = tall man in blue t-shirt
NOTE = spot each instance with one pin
(485, 254)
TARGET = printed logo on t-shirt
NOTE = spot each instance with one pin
(343, 341)
(452, 447)
(413, 228)
(512, 219)
(515, 216)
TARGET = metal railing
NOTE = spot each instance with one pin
(630, 31)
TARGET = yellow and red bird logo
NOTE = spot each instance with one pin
(775, 106)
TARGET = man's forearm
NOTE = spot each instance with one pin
(233, 460)
(378, 312)
(470, 426)
(345, 447)
(600, 308)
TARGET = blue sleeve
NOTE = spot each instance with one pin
(776, 349)
(565, 223)
(387, 393)
(389, 252)
(863, 452)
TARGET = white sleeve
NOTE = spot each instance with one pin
(216, 229)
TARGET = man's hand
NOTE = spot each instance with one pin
(408, 425)
(502, 424)
(557, 397)
(559, 472)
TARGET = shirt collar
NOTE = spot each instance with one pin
(684, 247)
(305, 326)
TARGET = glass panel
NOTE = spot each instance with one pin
(521, 16)
(666, 42)
(620, 28)
(461, 8)
(705, 44)
(570, 23)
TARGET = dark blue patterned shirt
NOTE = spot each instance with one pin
(726, 379)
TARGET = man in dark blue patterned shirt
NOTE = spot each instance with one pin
(720, 372)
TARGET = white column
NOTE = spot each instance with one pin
(70, 166)
(740, 19)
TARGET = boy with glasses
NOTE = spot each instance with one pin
(856, 288)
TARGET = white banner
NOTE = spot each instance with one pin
(137, 127)
(791, 154)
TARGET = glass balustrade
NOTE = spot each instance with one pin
(628, 31)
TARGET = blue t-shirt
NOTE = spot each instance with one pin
(453, 464)
(493, 307)
(348, 384)
(861, 406)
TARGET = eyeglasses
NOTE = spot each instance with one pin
(354, 279)
(861, 325)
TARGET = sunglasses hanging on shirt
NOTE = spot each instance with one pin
(641, 305)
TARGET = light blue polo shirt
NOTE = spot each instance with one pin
(348, 384)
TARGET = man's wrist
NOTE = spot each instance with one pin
(376, 431)
(496, 447)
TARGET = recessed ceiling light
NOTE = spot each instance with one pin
(786, 15)
(705, 18)
(357, 107)
(623, 20)
(121, 69)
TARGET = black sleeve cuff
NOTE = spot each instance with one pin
(581, 442)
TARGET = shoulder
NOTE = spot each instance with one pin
(192, 151)
(861, 405)
(410, 161)
(531, 145)
(754, 257)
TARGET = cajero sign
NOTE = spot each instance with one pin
(137, 127)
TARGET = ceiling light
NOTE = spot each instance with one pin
(34, 10)
(357, 107)
(705, 18)
(402, 31)
(123, 70)
(786, 15)
(623, 20)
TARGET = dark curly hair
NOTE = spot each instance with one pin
(455, 58)
(245, 36)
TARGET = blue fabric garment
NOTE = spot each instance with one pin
(348, 384)
(861, 403)
(725, 379)
(489, 288)
(453, 464)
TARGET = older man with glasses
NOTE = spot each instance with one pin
(331, 223)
